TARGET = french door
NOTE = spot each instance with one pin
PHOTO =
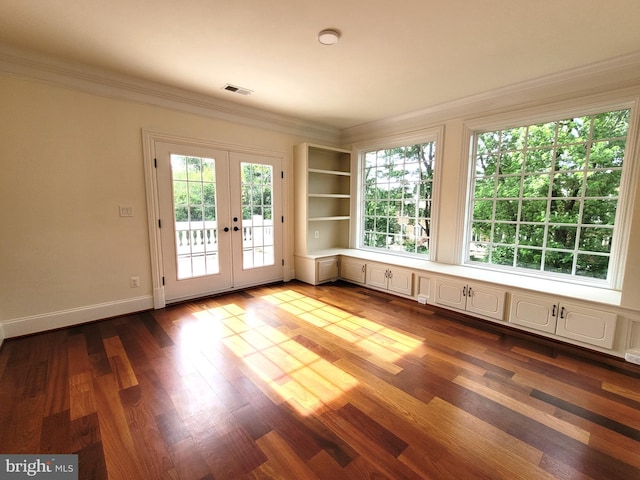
(220, 219)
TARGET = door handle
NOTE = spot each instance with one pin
(235, 229)
(226, 229)
(235, 219)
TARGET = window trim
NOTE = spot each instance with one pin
(548, 113)
(434, 134)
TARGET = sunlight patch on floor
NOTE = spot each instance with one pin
(384, 343)
(296, 374)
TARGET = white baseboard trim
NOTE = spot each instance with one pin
(74, 316)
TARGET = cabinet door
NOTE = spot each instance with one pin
(400, 281)
(539, 313)
(352, 270)
(377, 275)
(485, 301)
(451, 293)
(327, 269)
(587, 325)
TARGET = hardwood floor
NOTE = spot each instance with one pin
(298, 382)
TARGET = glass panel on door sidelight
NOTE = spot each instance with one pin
(195, 216)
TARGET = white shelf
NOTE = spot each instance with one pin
(329, 195)
(323, 204)
(324, 219)
(329, 172)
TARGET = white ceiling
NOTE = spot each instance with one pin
(394, 57)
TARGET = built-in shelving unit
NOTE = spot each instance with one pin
(322, 204)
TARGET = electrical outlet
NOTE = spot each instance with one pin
(134, 282)
(316, 234)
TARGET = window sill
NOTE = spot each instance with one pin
(598, 295)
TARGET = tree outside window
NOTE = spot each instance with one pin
(545, 196)
(397, 198)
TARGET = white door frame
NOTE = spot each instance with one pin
(149, 140)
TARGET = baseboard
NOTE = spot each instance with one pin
(75, 316)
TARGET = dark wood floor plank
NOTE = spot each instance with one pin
(147, 435)
(367, 447)
(284, 458)
(188, 461)
(119, 449)
(368, 427)
(333, 381)
(55, 435)
(233, 455)
(57, 389)
(84, 433)
(622, 429)
(91, 463)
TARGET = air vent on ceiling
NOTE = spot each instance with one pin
(235, 89)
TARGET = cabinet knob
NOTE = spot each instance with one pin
(553, 311)
(226, 229)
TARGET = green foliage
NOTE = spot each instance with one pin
(533, 186)
(194, 189)
(194, 193)
(397, 198)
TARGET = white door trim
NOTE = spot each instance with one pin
(149, 140)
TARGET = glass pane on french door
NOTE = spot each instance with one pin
(195, 216)
(257, 215)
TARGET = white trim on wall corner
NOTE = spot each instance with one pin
(87, 79)
(75, 316)
(615, 74)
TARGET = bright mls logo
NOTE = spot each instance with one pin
(50, 467)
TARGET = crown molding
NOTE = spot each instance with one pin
(54, 71)
(618, 73)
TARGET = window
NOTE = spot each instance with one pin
(544, 197)
(397, 191)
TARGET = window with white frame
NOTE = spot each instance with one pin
(396, 198)
(544, 197)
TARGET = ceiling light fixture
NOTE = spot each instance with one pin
(329, 36)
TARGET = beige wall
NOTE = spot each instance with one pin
(68, 160)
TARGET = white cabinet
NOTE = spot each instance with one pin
(534, 312)
(586, 324)
(327, 269)
(353, 270)
(386, 277)
(565, 319)
(473, 298)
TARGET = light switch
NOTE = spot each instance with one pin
(126, 211)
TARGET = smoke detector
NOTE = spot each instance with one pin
(329, 36)
(235, 89)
